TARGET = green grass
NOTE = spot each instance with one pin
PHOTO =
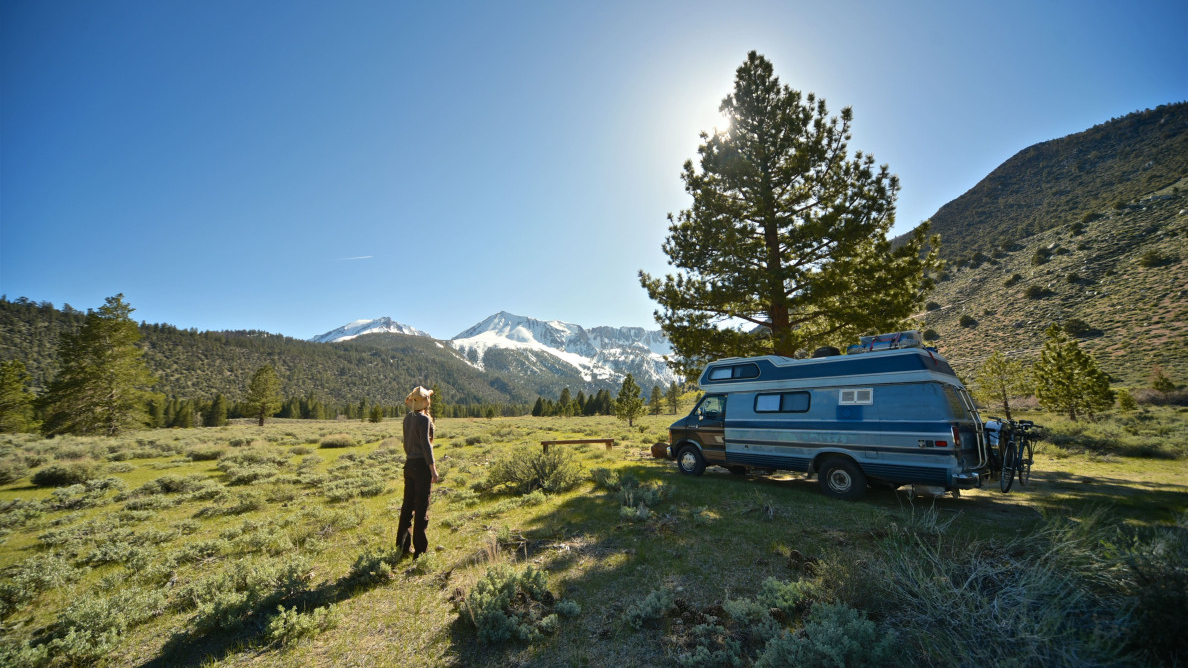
(227, 557)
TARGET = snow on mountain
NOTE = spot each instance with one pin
(602, 355)
(361, 327)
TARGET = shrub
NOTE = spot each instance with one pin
(23, 582)
(651, 610)
(12, 469)
(205, 453)
(1035, 292)
(568, 608)
(229, 598)
(967, 320)
(1156, 581)
(527, 469)
(92, 627)
(1078, 328)
(366, 484)
(931, 335)
(338, 441)
(1072, 278)
(375, 565)
(1043, 580)
(1126, 402)
(1153, 258)
(1014, 279)
(509, 604)
(289, 626)
(932, 306)
(1042, 255)
(835, 635)
(60, 475)
(252, 464)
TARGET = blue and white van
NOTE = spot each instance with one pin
(889, 412)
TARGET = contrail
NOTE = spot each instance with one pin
(361, 257)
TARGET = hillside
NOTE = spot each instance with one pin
(1137, 315)
(380, 367)
(1058, 182)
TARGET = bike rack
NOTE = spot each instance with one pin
(979, 429)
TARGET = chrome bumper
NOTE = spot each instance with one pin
(967, 480)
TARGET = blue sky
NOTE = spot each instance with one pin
(291, 166)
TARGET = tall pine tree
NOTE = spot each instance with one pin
(216, 415)
(673, 396)
(102, 386)
(629, 404)
(787, 234)
(16, 401)
(263, 396)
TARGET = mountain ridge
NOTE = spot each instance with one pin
(599, 355)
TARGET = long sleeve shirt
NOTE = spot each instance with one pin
(418, 437)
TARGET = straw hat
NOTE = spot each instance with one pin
(418, 399)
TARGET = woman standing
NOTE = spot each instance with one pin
(420, 470)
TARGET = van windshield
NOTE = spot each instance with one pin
(711, 408)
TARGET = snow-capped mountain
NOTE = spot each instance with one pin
(361, 327)
(600, 355)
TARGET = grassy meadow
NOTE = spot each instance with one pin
(274, 546)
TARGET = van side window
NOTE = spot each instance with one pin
(721, 373)
(734, 372)
(859, 396)
(785, 402)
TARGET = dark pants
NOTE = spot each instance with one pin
(417, 478)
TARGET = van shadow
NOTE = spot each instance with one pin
(711, 538)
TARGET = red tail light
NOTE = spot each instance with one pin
(956, 438)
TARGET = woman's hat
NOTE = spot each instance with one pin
(418, 398)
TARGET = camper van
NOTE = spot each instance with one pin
(888, 412)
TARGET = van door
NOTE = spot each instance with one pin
(710, 428)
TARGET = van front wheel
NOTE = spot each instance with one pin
(841, 479)
(690, 461)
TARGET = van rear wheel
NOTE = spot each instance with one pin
(690, 461)
(841, 479)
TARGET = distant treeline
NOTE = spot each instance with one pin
(174, 412)
(194, 365)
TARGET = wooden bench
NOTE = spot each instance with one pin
(578, 441)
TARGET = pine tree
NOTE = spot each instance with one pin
(786, 233)
(629, 405)
(999, 379)
(656, 401)
(1067, 378)
(538, 407)
(581, 403)
(16, 401)
(1160, 382)
(673, 396)
(184, 418)
(376, 415)
(263, 396)
(216, 415)
(156, 411)
(102, 384)
(563, 404)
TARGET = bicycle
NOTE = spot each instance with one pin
(1016, 452)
